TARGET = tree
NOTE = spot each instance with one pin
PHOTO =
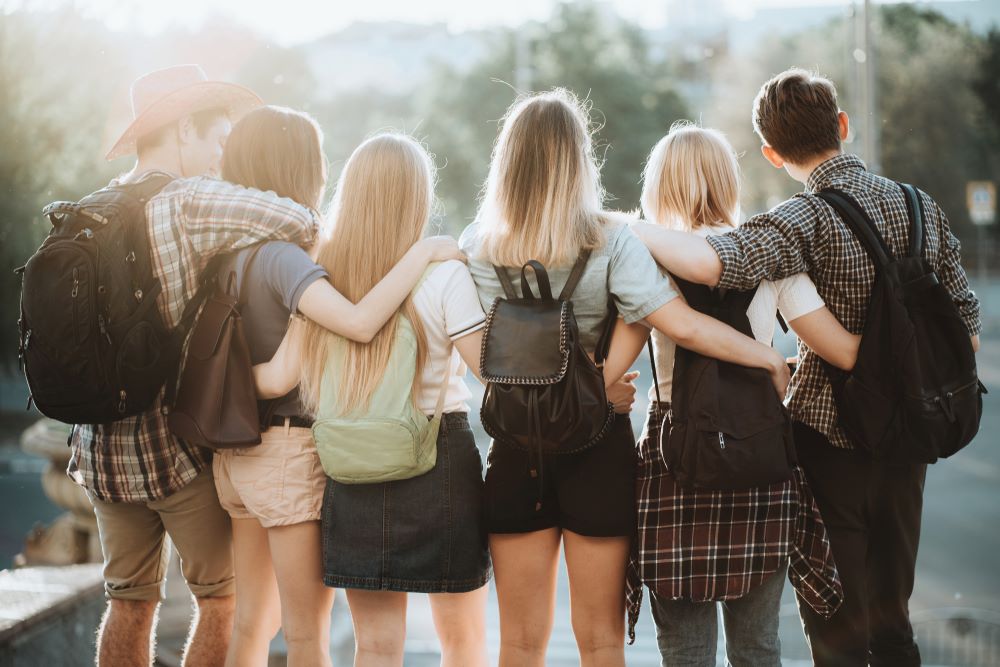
(584, 48)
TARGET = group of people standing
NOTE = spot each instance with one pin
(265, 536)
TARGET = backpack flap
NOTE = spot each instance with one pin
(526, 341)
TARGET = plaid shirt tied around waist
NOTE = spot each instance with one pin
(703, 545)
(804, 234)
(189, 222)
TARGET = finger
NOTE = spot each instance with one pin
(631, 375)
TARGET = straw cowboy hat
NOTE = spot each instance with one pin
(165, 95)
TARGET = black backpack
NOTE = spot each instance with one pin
(543, 392)
(913, 395)
(728, 428)
(93, 344)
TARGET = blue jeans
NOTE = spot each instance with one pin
(687, 632)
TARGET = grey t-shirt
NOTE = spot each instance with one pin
(622, 267)
(280, 273)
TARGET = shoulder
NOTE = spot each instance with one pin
(799, 209)
(443, 275)
(617, 227)
(469, 240)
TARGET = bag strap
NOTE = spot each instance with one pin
(652, 365)
(541, 277)
(242, 295)
(915, 209)
(859, 223)
(574, 276)
(445, 383)
(505, 282)
(148, 187)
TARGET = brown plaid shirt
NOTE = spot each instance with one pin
(704, 545)
(805, 234)
(190, 221)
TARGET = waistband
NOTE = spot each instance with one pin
(455, 420)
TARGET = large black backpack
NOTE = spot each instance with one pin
(543, 392)
(93, 344)
(913, 395)
(728, 428)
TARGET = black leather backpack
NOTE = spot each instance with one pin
(543, 392)
(728, 429)
(914, 395)
(93, 344)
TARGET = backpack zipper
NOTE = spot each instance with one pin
(722, 441)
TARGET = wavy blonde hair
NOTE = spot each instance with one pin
(542, 199)
(381, 207)
(691, 179)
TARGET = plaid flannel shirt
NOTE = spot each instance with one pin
(805, 234)
(189, 222)
(702, 545)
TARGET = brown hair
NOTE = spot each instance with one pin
(796, 114)
(278, 149)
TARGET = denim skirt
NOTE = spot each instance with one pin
(419, 535)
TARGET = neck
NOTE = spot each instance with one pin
(161, 158)
(802, 172)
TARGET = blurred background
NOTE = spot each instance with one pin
(921, 82)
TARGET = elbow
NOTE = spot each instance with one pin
(683, 332)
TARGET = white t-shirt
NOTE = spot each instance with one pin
(448, 306)
(794, 296)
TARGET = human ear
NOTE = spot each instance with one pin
(186, 131)
(772, 156)
(844, 123)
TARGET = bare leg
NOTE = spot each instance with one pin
(524, 565)
(211, 630)
(296, 552)
(379, 627)
(125, 638)
(460, 621)
(597, 603)
(258, 611)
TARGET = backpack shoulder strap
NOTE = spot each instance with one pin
(652, 366)
(915, 209)
(574, 276)
(505, 282)
(242, 295)
(148, 187)
(859, 223)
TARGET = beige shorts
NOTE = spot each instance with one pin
(136, 553)
(279, 482)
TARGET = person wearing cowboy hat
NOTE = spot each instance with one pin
(146, 484)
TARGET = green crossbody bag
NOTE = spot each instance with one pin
(390, 439)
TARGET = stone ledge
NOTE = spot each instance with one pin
(32, 596)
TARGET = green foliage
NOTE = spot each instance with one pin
(599, 56)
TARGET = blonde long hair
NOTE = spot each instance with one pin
(381, 207)
(691, 179)
(542, 199)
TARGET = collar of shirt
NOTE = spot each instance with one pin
(824, 173)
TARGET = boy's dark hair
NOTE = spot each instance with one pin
(796, 114)
(202, 120)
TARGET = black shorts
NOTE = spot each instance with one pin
(590, 493)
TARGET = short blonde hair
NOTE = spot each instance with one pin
(691, 179)
(543, 195)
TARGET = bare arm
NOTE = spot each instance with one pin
(825, 335)
(327, 307)
(706, 335)
(626, 346)
(280, 375)
(687, 255)
(469, 348)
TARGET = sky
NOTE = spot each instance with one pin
(293, 21)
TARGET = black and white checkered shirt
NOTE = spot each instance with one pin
(805, 234)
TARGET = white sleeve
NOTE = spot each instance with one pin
(797, 296)
(463, 314)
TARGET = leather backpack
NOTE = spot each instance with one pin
(728, 428)
(914, 394)
(543, 392)
(216, 404)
